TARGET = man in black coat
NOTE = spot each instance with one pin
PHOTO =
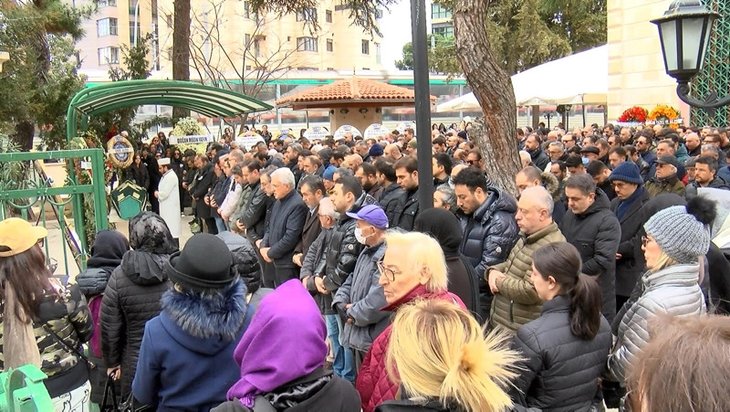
(204, 180)
(391, 199)
(406, 172)
(630, 197)
(285, 229)
(490, 229)
(590, 226)
(344, 248)
(312, 190)
(533, 146)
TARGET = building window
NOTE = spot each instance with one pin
(330, 45)
(106, 27)
(439, 12)
(377, 53)
(108, 55)
(307, 44)
(328, 16)
(365, 47)
(308, 14)
(246, 10)
(105, 3)
(246, 40)
(445, 31)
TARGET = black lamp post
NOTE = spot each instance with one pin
(684, 32)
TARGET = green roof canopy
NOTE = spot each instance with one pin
(206, 100)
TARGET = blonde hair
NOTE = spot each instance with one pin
(664, 261)
(438, 350)
(424, 255)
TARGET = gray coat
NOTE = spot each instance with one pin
(367, 298)
(673, 290)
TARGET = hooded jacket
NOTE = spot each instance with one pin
(106, 254)
(132, 296)
(596, 233)
(189, 343)
(490, 232)
(673, 290)
(463, 280)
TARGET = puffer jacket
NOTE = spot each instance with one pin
(596, 234)
(490, 232)
(131, 298)
(92, 281)
(673, 290)
(363, 291)
(517, 302)
(561, 371)
(373, 382)
(631, 264)
(315, 255)
(391, 200)
(656, 186)
(409, 213)
(67, 315)
(343, 249)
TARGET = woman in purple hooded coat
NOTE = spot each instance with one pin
(282, 355)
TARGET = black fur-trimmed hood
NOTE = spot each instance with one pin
(205, 322)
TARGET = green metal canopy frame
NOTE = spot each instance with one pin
(206, 100)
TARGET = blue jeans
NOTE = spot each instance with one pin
(220, 224)
(344, 364)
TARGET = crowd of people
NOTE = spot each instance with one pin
(320, 283)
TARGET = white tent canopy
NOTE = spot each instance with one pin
(580, 78)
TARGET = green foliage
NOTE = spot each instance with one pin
(441, 57)
(135, 66)
(525, 33)
(41, 76)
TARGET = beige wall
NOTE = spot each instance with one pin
(277, 38)
(636, 73)
(353, 117)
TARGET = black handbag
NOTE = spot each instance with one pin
(109, 403)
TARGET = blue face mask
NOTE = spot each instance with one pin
(585, 161)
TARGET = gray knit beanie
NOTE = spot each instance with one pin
(682, 231)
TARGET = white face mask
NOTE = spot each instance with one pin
(359, 236)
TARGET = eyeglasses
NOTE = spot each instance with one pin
(387, 272)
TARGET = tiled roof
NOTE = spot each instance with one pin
(353, 90)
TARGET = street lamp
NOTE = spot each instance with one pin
(684, 33)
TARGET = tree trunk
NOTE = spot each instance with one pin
(181, 49)
(23, 136)
(495, 133)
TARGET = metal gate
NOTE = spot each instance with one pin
(33, 198)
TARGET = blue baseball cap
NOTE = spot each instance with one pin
(372, 214)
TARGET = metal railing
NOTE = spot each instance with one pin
(30, 198)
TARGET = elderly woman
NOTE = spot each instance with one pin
(422, 276)
(444, 361)
(132, 296)
(676, 238)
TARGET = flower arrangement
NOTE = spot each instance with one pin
(663, 113)
(634, 114)
(187, 127)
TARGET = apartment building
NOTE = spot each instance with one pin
(228, 40)
(442, 22)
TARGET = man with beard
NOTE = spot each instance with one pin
(367, 174)
(538, 156)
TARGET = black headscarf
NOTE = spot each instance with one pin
(149, 233)
(443, 226)
(108, 249)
